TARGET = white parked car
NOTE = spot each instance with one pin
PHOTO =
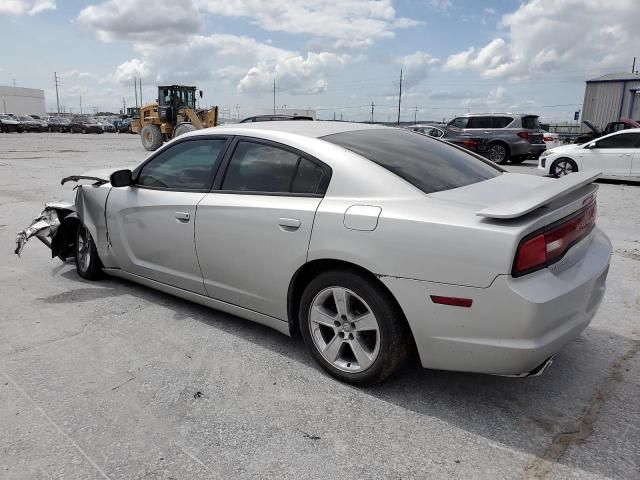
(616, 155)
(369, 241)
(551, 140)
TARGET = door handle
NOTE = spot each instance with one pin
(182, 216)
(289, 223)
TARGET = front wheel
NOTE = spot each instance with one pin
(352, 327)
(498, 153)
(562, 167)
(88, 263)
(151, 137)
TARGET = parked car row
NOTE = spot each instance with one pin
(502, 137)
(77, 124)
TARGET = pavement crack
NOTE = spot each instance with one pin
(542, 465)
(50, 341)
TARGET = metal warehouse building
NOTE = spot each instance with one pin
(22, 101)
(611, 97)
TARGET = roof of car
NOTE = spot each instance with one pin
(307, 129)
(484, 114)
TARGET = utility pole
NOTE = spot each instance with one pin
(400, 97)
(4, 102)
(274, 95)
(140, 80)
(340, 116)
(135, 88)
(124, 106)
(415, 115)
(238, 111)
(334, 116)
(633, 68)
(80, 104)
(55, 78)
(14, 81)
(372, 111)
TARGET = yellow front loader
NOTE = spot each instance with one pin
(172, 115)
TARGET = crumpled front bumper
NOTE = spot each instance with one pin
(45, 227)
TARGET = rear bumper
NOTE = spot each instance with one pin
(515, 324)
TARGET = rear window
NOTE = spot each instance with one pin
(429, 164)
(530, 123)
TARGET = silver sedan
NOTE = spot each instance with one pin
(371, 242)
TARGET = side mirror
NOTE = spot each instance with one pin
(121, 178)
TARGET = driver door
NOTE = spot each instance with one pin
(151, 223)
(612, 155)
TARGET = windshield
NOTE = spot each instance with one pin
(24, 118)
(429, 164)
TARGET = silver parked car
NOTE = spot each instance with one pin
(509, 137)
(370, 241)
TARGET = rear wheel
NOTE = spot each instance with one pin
(498, 152)
(182, 129)
(562, 167)
(352, 328)
(151, 137)
(88, 263)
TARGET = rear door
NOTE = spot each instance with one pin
(253, 231)
(151, 223)
(635, 161)
(612, 154)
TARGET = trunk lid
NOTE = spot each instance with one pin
(520, 205)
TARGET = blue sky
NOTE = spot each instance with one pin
(331, 55)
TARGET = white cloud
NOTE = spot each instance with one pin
(127, 71)
(78, 74)
(163, 21)
(416, 67)
(356, 23)
(29, 7)
(546, 36)
(441, 5)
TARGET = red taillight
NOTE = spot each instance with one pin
(453, 301)
(523, 134)
(549, 245)
(470, 143)
(548, 139)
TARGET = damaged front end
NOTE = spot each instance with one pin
(56, 227)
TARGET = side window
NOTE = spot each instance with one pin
(622, 140)
(459, 122)
(255, 167)
(501, 122)
(435, 132)
(479, 122)
(185, 166)
(308, 177)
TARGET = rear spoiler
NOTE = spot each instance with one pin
(540, 196)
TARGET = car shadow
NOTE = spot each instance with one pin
(521, 414)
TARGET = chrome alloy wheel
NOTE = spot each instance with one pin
(84, 249)
(497, 153)
(563, 167)
(344, 329)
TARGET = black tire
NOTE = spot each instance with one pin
(498, 152)
(83, 131)
(563, 166)
(151, 137)
(182, 129)
(89, 268)
(395, 342)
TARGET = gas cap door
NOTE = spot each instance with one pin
(362, 217)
